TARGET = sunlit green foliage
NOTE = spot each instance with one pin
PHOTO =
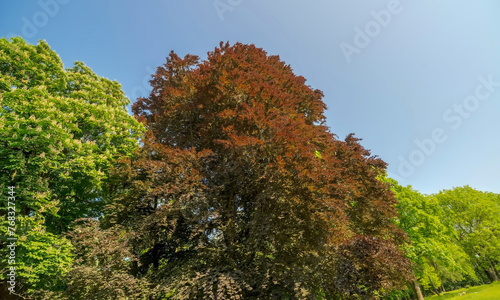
(60, 132)
(474, 217)
(453, 234)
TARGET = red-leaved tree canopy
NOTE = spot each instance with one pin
(241, 192)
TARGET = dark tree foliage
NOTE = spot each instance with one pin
(103, 267)
(241, 192)
(369, 266)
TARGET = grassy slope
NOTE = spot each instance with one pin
(483, 292)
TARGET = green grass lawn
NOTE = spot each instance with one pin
(486, 292)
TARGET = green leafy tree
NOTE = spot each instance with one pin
(60, 132)
(436, 258)
(474, 217)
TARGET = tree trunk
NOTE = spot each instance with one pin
(492, 274)
(436, 291)
(494, 271)
(488, 275)
(416, 288)
(441, 288)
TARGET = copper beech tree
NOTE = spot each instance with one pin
(240, 191)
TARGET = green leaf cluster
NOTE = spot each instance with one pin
(61, 130)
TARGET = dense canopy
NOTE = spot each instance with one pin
(60, 132)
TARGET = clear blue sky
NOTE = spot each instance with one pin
(396, 73)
